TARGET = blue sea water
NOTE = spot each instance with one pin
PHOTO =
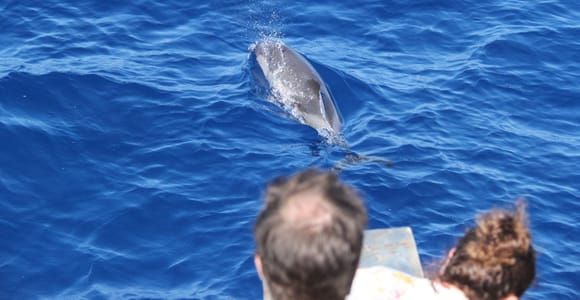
(134, 148)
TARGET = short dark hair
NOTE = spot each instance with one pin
(309, 236)
(495, 258)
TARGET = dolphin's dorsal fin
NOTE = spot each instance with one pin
(313, 85)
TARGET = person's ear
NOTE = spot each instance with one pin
(258, 264)
(451, 253)
(447, 259)
(511, 297)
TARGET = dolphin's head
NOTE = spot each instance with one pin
(262, 48)
(270, 53)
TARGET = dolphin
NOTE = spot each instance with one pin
(295, 84)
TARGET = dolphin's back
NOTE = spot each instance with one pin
(295, 83)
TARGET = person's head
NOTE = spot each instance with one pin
(495, 259)
(309, 237)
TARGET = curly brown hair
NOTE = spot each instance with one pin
(495, 258)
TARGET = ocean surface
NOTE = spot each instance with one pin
(135, 145)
